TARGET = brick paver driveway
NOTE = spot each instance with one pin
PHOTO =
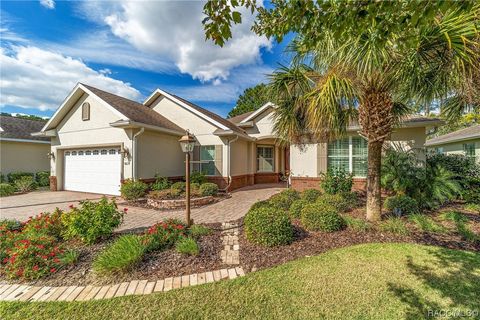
(21, 207)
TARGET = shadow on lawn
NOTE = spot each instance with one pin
(458, 282)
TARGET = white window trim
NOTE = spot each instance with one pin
(350, 157)
(207, 161)
(273, 158)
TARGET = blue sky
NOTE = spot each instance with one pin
(127, 48)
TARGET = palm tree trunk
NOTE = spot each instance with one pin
(374, 196)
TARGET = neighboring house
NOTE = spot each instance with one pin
(100, 139)
(465, 141)
(19, 151)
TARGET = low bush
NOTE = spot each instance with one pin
(402, 204)
(43, 178)
(268, 226)
(92, 220)
(2, 178)
(6, 190)
(120, 256)
(133, 190)
(45, 223)
(453, 216)
(198, 230)
(311, 195)
(357, 224)
(161, 183)
(10, 225)
(164, 234)
(69, 257)
(33, 258)
(321, 217)
(187, 246)
(25, 184)
(178, 186)
(461, 221)
(162, 195)
(284, 199)
(208, 189)
(198, 177)
(338, 201)
(394, 225)
(337, 181)
(260, 204)
(426, 223)
(14, 176)
(472, 207)
(296, 208)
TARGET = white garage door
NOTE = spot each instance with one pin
(93, 170)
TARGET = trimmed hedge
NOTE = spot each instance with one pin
(268, 226)
(208, 189)
(284, 199)
(43, 178)
(179, 187)
(16, 175)
(6, 189)
(133, 190)
(322, 217)
(260, 204)
(406, 204)
(311, 195)
(295, 210)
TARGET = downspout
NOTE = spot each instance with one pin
(228, 163)
(134, 153)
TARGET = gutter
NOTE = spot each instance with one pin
(134, 124)
(228, 163)
(134, 153)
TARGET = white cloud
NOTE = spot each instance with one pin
(49, 4)
(173, 31)
(37, 78)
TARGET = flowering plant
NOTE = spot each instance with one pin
(45, 223)
(164, 234)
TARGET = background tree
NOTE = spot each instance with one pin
(251, 99)
(360, 60)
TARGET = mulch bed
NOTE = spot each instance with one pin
(142, 203)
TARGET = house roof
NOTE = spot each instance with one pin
(240, 117)
(469, 133)
(21, 129)
(133, 110)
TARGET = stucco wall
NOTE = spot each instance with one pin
(409, 139)
(159, 153)
(73, 132)
(263, 126)
(303, 160)
(239, 157)
(457, 148)
(23, 156)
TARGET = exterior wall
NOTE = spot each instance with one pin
(263, 126)
(239, 158)
(23, 156)
(73, 132)
(410, 139)
(457, 148)
(304, 160)
(159, 153)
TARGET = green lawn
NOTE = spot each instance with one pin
(373, 281)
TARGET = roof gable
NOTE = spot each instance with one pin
(472, 132)
(19, 128)
(258, 112)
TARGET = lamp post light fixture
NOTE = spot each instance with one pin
(187, 142)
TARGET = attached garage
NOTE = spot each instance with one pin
(96, 170)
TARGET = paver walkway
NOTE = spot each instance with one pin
(231, 247)
(21, 207)
(16, 292)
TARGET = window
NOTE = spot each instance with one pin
(80, 153)
(96, 152)
(85, 111)
(112, 151)
(439, 150)
(103, 152)
(349, 154)
(469, 149)
(265, 159)
(207, 160)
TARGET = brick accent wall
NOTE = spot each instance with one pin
(53, 183)
(266, 178)
(179, 203)
(302, 183)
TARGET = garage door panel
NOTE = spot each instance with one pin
(93, 171)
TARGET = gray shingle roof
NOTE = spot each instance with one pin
(240, 117)
(472, 132)
(134, 111)
(18, 128)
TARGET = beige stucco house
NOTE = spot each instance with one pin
(19, 151)
(100, 139)
(465, 142)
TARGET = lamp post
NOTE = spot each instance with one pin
(187, 142)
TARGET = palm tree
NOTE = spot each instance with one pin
(373, 82)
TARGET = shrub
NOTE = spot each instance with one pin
(161, 183)
(25, 184)
(336, 181)
(133, 190)
(268, 226)
(10, 225)
(6, 190)
(394, 225)
(163, 234)
(338, 201)
(178, 186)
(33, 258)
(45, 223)
(121, 255)
(403, 203)
(197, 231)
(2, 178)
(260, 204)
(43, 178)
(321, 217)
(92, 220)
(357, 224)
(69, 257)
(14, 176)
(208, 189)
(198, 177)
(454, 216)
(296, 208)
(472, 207)
(426, 223)
(284, 199)
(311, 195)
(187, 246)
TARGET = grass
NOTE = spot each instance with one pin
(472, 207)
(357, 224)
(426, 223)
(370, 281)
(394, 225)
(461, 221)
(197, 230)
(121, 255)
(187, 246)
